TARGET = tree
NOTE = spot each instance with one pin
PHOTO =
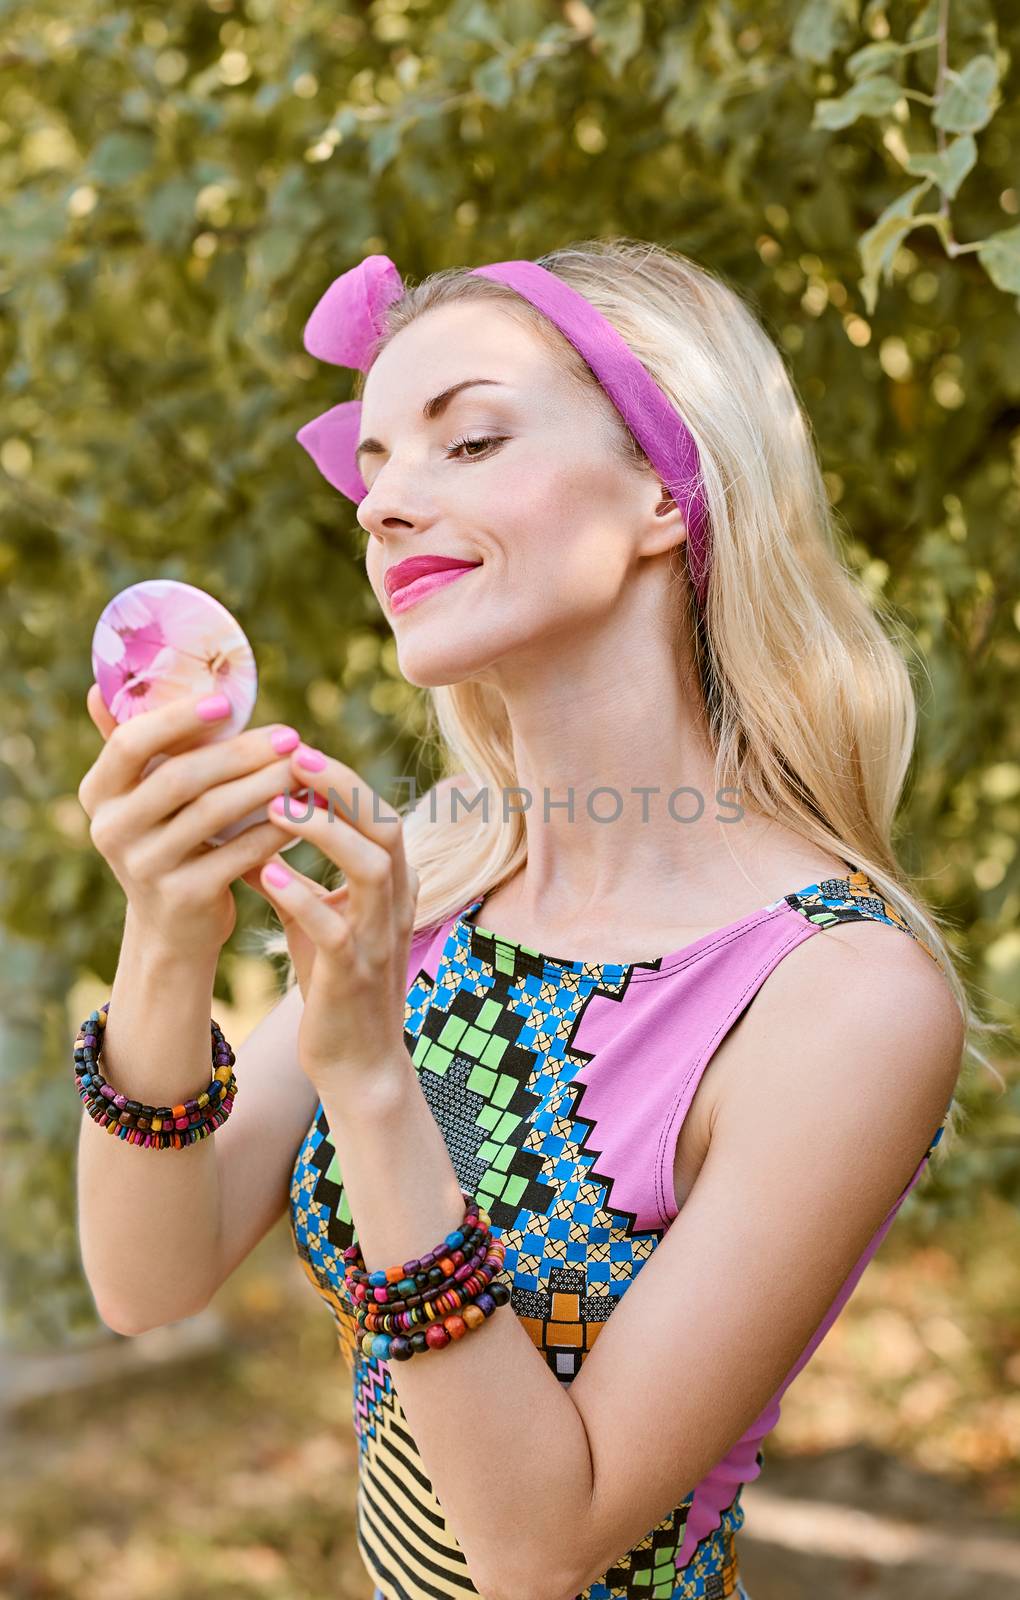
(183, 182)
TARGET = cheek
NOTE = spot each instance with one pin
(562, 558)
(552, 490)
(573, 525)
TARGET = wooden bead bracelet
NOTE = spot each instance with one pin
(151, 1127)
(448, 1273)
(450, 1288)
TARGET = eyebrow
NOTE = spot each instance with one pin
(430, 410)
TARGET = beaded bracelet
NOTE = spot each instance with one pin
(447, 1304)
(152, 1127)
(419, 1297)
(414, 1307)
(400, 1347)
(435, 1263)
(446, 1286)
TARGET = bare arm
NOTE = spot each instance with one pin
(161, 1231)
(148, 1219)
(156, 1237)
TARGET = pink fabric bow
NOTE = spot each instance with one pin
(345, 328)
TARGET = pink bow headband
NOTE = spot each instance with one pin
(348, 321)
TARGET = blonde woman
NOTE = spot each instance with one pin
(675, 734)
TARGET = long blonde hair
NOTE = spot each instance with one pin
(808, 702)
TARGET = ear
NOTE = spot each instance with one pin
(667, 527)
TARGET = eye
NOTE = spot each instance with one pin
(462, 444)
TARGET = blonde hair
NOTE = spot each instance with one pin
(808, 703)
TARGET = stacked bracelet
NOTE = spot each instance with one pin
(152, 1127)
(450, 1289)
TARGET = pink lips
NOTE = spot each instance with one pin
(408, 594)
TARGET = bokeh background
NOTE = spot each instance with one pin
(179, 184)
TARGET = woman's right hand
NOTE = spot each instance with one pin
(151, 830)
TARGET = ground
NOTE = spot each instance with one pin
(225, 1469)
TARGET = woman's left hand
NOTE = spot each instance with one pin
(350, 946)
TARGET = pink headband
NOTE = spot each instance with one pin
(348, 321)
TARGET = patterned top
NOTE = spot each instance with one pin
(560, 1088)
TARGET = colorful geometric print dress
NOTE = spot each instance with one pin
(560, 1088)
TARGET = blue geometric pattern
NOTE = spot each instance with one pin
(491, 1038)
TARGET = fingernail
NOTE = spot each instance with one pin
(311, 760)
(276, 876)
(284, 740)
(213, 707)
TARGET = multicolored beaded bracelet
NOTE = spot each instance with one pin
(151, 1127)
(399, 1347)
(446, 1260)
(355, 1261)
(428, 1288)
(389, 1287)
(447, 1304)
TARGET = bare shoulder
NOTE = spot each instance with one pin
(859, 1018)
(882, 970)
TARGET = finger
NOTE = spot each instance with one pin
(190, 796)
(247, 852)
(131, 745)
(99, 711)
(368, 867)
(364, 809)
(296, 903)
(183, 803)
(353, 798)
(299, 946)
(253, 878)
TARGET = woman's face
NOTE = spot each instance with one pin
(519, 475)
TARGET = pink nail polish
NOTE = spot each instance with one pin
(213, 707)
(276, 876)
(284, 740)
(311, 760)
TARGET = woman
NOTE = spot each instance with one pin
(691, 733)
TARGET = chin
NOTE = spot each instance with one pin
(439, 665)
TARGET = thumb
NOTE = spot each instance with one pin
(99, 711)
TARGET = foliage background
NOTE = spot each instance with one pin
(181, 182)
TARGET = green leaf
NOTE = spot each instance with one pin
(819, 28)
(273, 254)
(874, 58)
(925, 23)
(476, 21)
(879, 244)
(383, 144)
(106, 38)
(494, 81)
(619, 28)
(121, 156)
(168, 213)
(345, 121)
(872, 97)
(34, 224)
(1000, 257)
(947, 169)
(675, 61)
(295, 201)
(970, 101)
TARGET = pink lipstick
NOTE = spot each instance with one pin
(410, 593)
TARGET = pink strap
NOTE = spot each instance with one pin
(348, 321)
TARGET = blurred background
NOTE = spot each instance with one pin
(180, 183)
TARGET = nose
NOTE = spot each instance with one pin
(393, 505)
